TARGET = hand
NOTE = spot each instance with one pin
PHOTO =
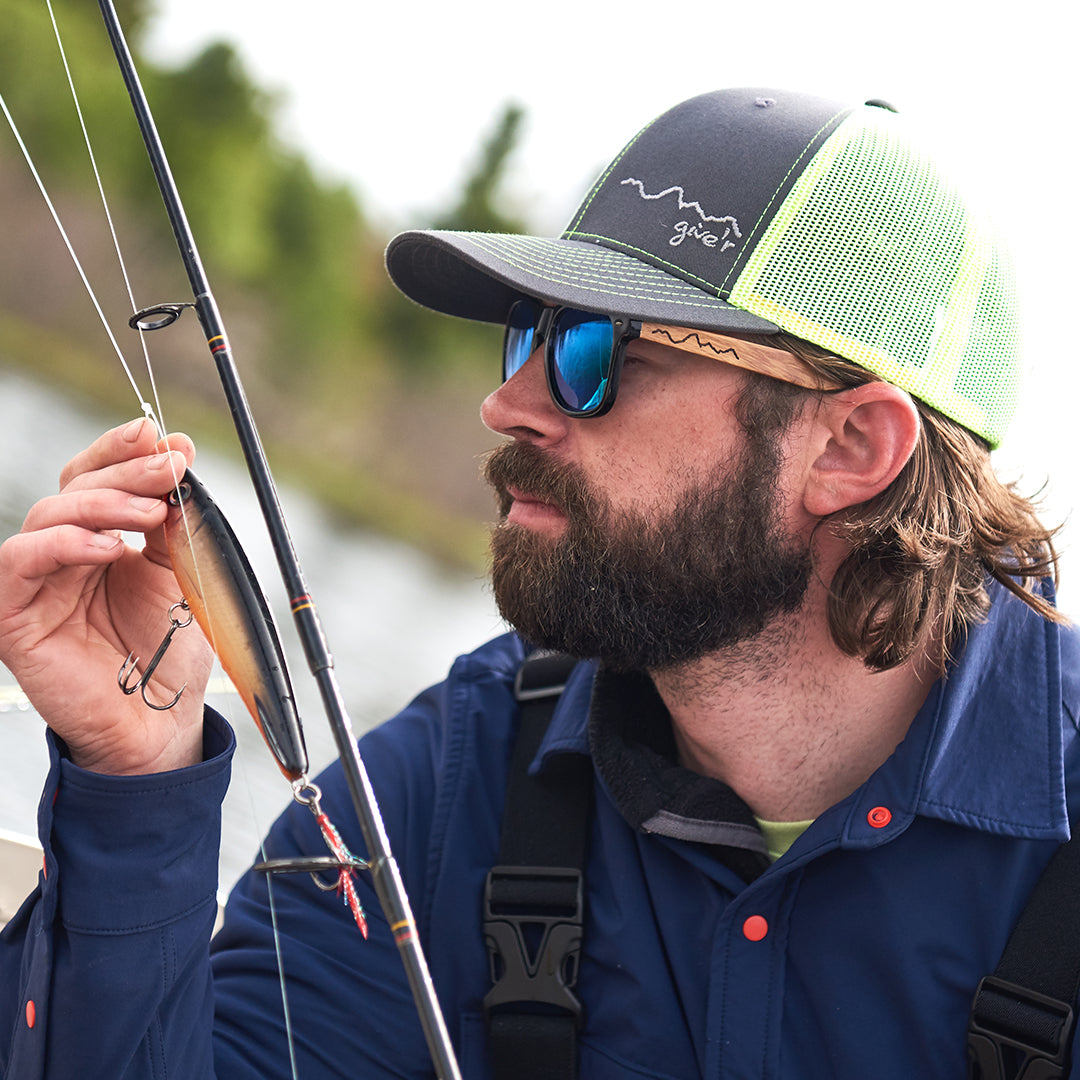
(75, 600)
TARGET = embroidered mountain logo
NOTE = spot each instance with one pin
(727, 226)
(701, 342)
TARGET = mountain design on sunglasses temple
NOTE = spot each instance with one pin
(684, 228)
(663, 331)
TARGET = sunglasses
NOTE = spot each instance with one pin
(584, 352)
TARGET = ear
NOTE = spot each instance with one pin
(861, 440)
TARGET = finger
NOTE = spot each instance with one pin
(148, 474)
(99, 510)
(133, 439)
(26, 559)
(177, 440)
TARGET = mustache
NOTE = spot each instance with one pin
(535, 472)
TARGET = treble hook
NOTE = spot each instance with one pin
(127, 669)
(340, 859)
(309, 794)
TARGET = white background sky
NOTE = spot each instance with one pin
(396, 96)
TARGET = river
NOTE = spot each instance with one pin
(394, 619)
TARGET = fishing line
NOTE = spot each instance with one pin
(146, 407)
(159, 419)
(108, 217)
(182, 506)
(278, 953)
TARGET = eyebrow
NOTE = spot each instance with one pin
(749, 355)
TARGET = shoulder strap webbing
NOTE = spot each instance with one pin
(1023, 1016)
(534, 899)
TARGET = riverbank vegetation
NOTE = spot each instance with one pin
(362, 398)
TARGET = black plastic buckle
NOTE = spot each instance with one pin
(1036, 1029)
(542, 675)
(532, 928)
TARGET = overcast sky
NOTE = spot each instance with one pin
(396, 95)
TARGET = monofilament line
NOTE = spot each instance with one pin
(109, 218)
(146, 407)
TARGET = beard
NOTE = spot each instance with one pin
(642, 591)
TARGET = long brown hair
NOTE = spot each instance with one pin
(923, 549)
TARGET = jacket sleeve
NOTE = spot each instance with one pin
(104, 971)
(114, 948)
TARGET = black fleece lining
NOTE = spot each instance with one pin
(633, 746)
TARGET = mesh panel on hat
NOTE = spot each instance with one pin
(875, 257)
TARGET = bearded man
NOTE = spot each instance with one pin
(818, 744)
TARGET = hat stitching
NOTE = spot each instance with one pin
(570, 229)
(571, 276)
(684, 274)
(617, 285)
(557, 259)
(772, 198)
(515, 255)
(627, 271)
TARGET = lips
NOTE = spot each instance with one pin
(521, 496)
(531, 511)
(534, 489)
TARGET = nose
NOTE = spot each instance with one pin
(522, 406)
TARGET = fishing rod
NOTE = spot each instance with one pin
(386, 877)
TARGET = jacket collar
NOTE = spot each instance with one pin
(985, 751)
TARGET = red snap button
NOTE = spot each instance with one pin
(755, 928)
(31, 1014)
(879, 817)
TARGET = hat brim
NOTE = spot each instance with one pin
(480, 275)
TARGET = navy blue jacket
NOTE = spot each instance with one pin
(879, 921)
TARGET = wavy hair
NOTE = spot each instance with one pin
(924, 549)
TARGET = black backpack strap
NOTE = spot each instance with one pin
(1023, 1016)
(534, 899)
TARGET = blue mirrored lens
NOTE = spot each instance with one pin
(582, 346)
(520, 331)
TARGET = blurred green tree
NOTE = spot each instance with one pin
(478, 208)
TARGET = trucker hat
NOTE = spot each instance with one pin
(754, 211)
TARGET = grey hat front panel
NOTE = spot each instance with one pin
(698, 216)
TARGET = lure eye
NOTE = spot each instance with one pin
(179, 494)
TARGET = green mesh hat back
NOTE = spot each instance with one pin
(940, 319)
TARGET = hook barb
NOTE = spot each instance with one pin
(129, 666)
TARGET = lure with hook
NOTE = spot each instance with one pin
(216, 577)
(225, 599)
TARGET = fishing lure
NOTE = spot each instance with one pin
(226, 600)
(223, 594)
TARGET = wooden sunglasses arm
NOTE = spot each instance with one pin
(776, 363)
